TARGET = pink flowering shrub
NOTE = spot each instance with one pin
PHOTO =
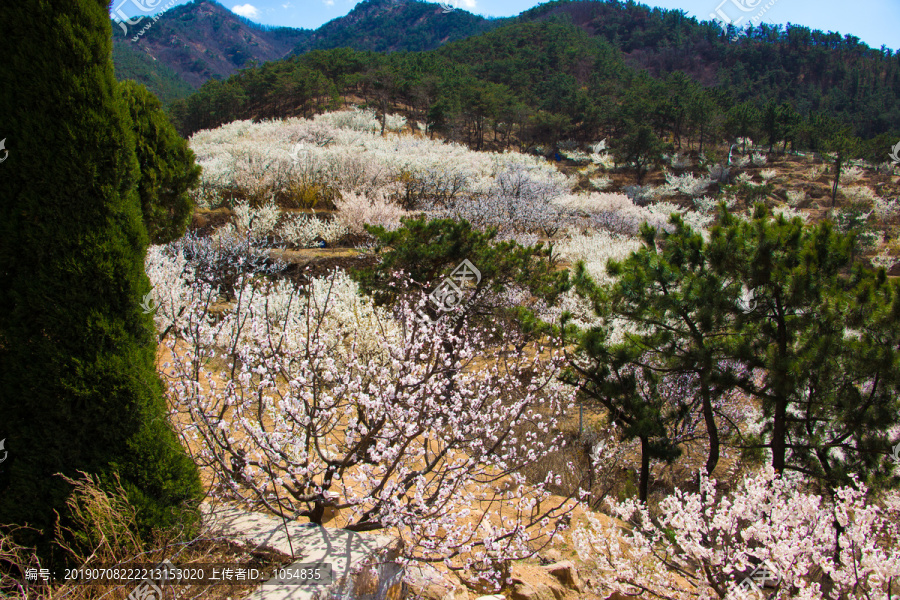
(705, 544)
(307, 399)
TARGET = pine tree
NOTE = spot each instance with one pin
(78, 389)
(673, 300)
(770, 307)
(822, 335)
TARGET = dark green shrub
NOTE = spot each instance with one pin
(167, 169)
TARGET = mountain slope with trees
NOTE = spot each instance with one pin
(202, 40)
(541, 81)
(394, 25)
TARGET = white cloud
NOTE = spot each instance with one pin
(286, 5)
(246, 10)
(329, 2)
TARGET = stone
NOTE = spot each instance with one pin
(427, 583)
(534, 583)
(553, 555)
(566, 573)
(524, 590)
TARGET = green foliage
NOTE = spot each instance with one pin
(750, 193)
(855, 220)
(814, 347)
(131, 64)
(641, 149)
(818, 334)
(410, 26)
(842, 146)
(78, 387)
(429, 250)
(166, 164)
(560, 72)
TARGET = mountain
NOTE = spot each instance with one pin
(198, 41)
(193, 43)
(585, 70)
(132, 63)
(397, 25)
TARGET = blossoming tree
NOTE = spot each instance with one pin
(322, 401)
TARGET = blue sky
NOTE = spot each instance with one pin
(875, 22)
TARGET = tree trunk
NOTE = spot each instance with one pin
(779, 431)
(701, 138)
(711, 429)
(837, 180)
(645, 470)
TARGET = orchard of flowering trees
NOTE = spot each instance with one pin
(708, 544)
(753, 348)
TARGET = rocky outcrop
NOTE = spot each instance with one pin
(566, 573)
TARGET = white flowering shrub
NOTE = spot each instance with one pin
(394, 123)
(758, 159)
(523, 238)
(768, 174)
(861, 194)
(643, 195)
(886, 168)
(851, 174)
(796, 197)
(885, 260)
(744, 178)
(520, 199)
(596, 249)
(304, 231)
(600, 183)
(678, 160)
(789, 213)
(613, 212)
(719, 173)
(600, 157)
(598, 147)
(706, 543)
(740, 161)
(259, 221)
(710, 206)
(687, 184)
(576, 155)
(169, 275)
(354, 119)
(886, 208)
(354, 211)
(344, 151)
(815, 172)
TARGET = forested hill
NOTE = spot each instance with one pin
(192, 43)
(395, 25)
(813, 70)
(587, 70)
(198, 41)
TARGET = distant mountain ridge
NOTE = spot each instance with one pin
(204, 40)
(193, 43)
(397, 25)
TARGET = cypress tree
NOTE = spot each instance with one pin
(78, 389)
(167, 166)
